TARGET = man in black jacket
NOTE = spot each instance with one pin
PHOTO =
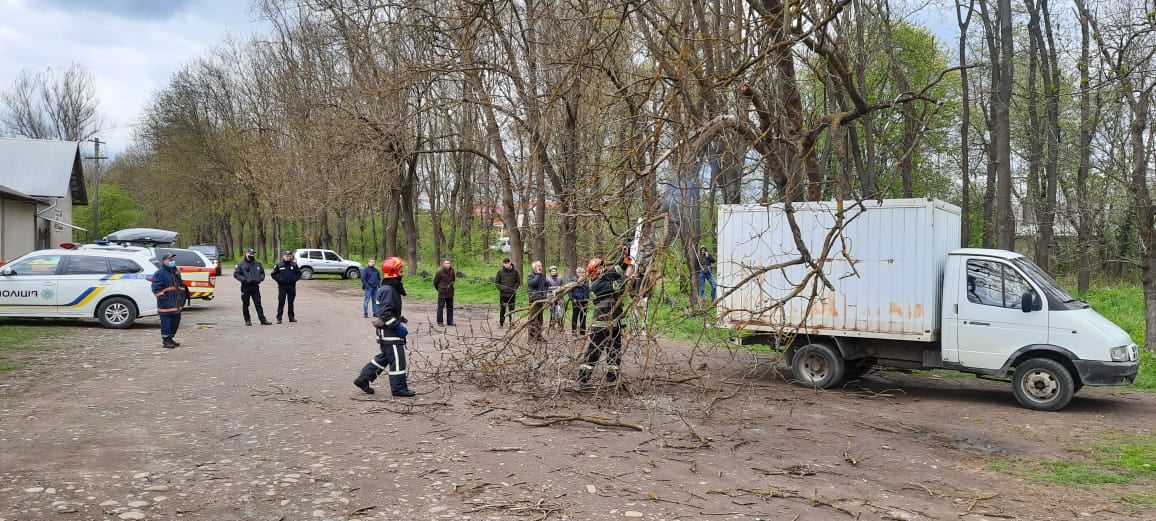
(443, 282)
(508, 281)
(539, 290)
(250, 274)
(286, 273)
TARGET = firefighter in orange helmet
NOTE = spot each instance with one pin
(391, 333)
(608, 289)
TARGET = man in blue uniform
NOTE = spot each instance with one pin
(171, 293)
(391, 333)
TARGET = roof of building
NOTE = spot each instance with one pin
(13, 195)
(43, 168)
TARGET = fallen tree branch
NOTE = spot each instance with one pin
(551, 419)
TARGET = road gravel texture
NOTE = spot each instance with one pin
(264, 423)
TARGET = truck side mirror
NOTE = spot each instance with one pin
(1030, 301)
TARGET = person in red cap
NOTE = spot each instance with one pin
(391, 333)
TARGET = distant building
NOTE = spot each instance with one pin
(40, 182)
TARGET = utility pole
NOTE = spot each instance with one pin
(96, 189)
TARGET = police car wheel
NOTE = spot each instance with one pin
(116, 313)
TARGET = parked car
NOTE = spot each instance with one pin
(313, 260)
(503, 245)
(114, 287)
(197, 271)
(212, 252)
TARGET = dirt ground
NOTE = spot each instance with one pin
(263, 423)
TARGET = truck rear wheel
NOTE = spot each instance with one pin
(817, 365)
(1043, 384)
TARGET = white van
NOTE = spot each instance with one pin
(111, 286)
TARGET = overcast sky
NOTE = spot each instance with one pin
(131, 47)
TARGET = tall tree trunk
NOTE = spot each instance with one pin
(1083, 212)
(964, 20)
(1001, 119)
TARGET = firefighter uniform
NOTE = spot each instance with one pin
(390, 336)
(609, 289)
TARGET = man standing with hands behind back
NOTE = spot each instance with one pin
(370, 281)
(443, 282)
(250, 274)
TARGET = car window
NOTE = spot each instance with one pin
(189, 258)
(209, 251)
(118, 265)
(86, 265)
(330, 256)
(38, 265)
(314, 254)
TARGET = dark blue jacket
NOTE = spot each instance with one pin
(538, 286)
(249, 272)
(286, 273)
(370, 278)
(388, 303)
(581, 291)
(170, 291)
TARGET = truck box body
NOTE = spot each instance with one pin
(886, 268)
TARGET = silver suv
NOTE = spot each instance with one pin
(325, 261)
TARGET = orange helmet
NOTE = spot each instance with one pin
(593, 267)
(391, 267)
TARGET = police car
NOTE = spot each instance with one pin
(113, 287)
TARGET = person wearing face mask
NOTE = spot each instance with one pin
(286, 273)
(170, 291)
(250, 274)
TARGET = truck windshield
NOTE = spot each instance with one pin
(1057, 296)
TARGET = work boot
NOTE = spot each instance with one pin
(584, 377)
(363, 385)
(291, 319)
(266, 323)
(398, 385)
(167, 342)
(248, 323)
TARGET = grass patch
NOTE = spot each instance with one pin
(1117, 459)
(20, 338)
(1124, 305)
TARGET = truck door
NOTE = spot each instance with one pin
(990, 323)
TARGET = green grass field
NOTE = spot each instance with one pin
(21, 338)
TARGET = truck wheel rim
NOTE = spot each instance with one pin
(815, 367)
(1040, 385)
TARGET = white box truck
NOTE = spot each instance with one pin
(893, 289)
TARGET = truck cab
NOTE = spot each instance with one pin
(1002, 314)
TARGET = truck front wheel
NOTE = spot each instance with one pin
(817, 365)
(1043, 384)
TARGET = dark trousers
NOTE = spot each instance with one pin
(285, 293)
(578, 316)
(391, 359)
(506, 305)
(608, 340)
(251, 292)
(537, 309)
(170, 322)
(446, 304)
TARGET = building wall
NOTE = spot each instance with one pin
(17, 228)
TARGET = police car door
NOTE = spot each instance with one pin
(83, 280)
(28, 286)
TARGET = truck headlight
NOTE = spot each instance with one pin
(1120, 354)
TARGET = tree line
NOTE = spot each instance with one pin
(411, 128)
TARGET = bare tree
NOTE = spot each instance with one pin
(52, 105)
